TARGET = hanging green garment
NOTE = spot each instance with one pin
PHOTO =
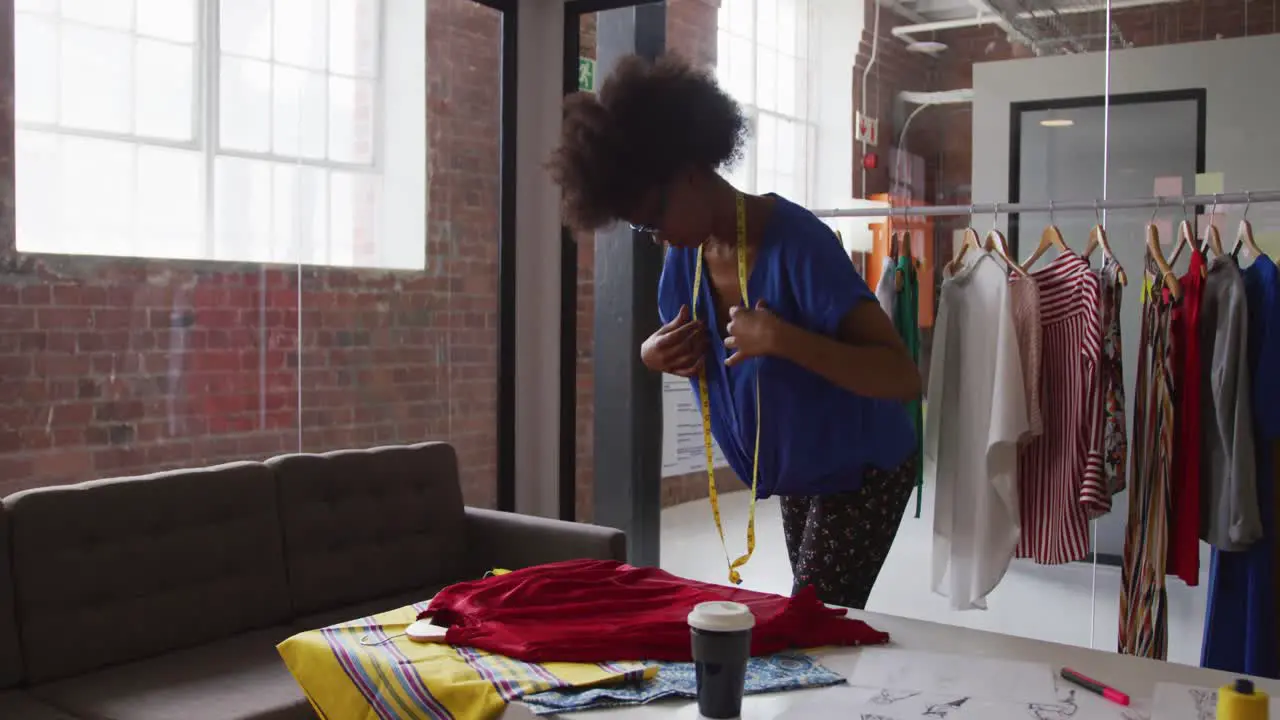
(906, 318)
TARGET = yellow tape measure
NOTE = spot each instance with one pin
(734, 576)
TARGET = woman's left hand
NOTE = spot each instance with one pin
(752, 332)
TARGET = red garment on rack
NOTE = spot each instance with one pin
(1184, 493)
(605, 611)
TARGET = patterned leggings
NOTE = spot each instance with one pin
(838, 543)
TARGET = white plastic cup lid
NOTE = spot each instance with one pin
(721, 617)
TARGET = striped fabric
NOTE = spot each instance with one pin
(1060, 473)
(1143, 604)
(367, 669)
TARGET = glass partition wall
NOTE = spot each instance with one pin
(245, 228)
(1041, 102)
(249, 228)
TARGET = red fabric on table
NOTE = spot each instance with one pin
(1183, 558)
(604, 611)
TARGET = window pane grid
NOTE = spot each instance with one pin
(762, 63)
(297, 66)
(46, 8)
(112, 68)
(311, 99)
(339, 123)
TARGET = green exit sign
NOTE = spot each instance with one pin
(586, 74)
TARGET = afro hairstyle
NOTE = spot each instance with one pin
(650, 121)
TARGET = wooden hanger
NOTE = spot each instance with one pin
(1051, 237)
(1186, 237)
(1169, 279)
(1244, 238)
(1244, 235)
(971, 240)
(902, 251)
(1212, 240)
(996, 242)
(1098, 238)
(905, 249)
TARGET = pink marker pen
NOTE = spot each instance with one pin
(1094, 686)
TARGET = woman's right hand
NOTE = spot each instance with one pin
(678, 348)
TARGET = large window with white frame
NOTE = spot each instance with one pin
(763, 61)
(279, 131)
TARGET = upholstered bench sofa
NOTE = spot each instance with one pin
(163, 597)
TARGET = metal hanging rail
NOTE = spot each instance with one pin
(1173, 201)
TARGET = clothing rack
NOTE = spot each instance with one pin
(1173, 201)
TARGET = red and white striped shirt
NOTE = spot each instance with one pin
(1060, 473)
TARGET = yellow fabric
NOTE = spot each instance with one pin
(367, 669)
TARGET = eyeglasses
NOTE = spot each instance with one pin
(661, 212)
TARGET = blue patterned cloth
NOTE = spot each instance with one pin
(764, 675)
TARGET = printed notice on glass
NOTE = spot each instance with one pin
(683, 449)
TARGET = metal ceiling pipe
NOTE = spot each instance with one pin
(939, 97)
(903, 11)
(904, 31)
(1003, 21)
(986, 16)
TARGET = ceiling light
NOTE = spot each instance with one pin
(1058, 122)
(926, 47)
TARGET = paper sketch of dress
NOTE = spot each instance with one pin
(889, 697)
(1062, 710)
(1206, 702)
(941, 710)
(873, 716)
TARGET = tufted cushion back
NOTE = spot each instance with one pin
(115, 570)
(10, 658)
(359, 524)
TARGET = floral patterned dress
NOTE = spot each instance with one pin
(1115, 448)
(1144, 623)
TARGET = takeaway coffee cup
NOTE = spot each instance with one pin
(721, 636)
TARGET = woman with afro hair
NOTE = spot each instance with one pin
(804, 376)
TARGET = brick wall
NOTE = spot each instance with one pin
(943, 135)
(120, 366)
(894, 70)
(1141, 27)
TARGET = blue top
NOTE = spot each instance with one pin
(816, 438)
(1240, 633)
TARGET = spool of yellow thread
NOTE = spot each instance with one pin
(1241, 701)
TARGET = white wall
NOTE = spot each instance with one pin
(1243, 102)
(540, 97)
(1240, 141)
(835, 32)
(402, 235)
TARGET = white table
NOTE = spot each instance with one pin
(1135, 676)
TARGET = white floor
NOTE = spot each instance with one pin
(1044, 602)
